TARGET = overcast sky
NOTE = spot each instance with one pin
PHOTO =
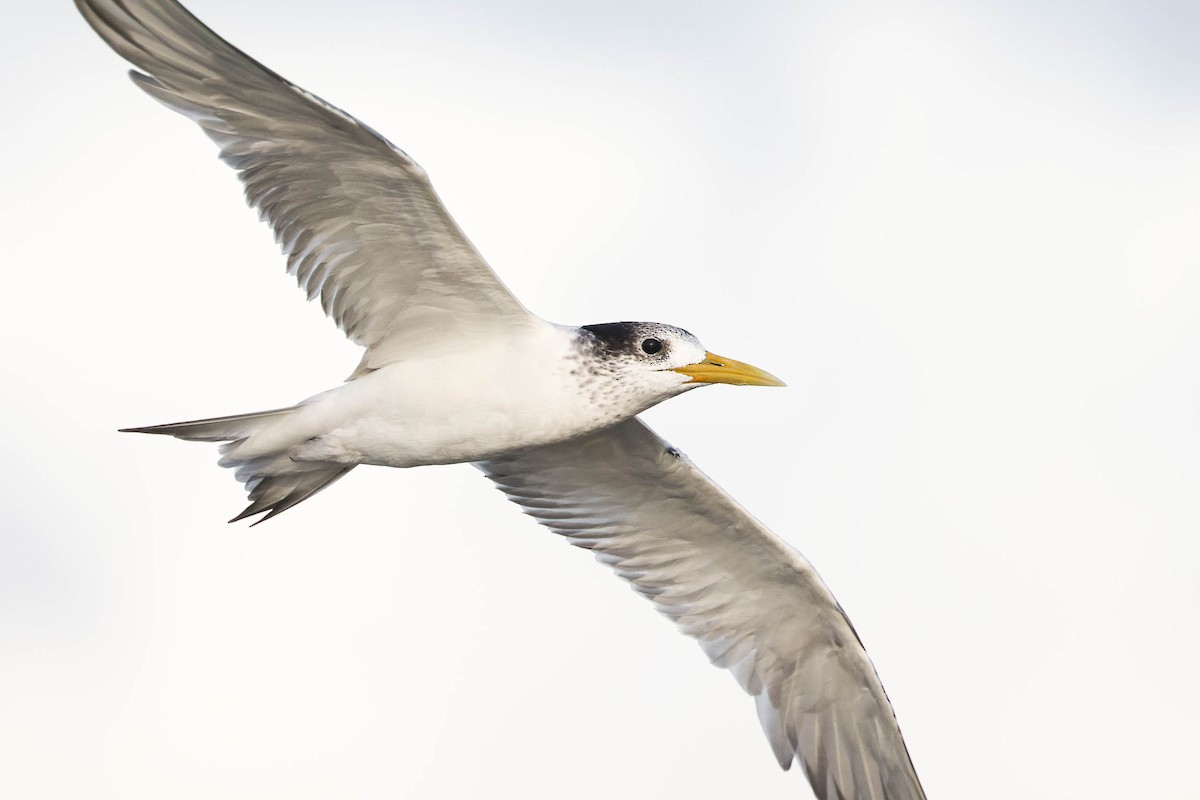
(966, 234)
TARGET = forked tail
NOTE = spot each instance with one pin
(257, 446)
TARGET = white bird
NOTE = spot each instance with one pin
(455, 369)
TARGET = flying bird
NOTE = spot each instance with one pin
(455, 369)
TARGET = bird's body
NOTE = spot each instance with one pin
(538, 385)
(469, 401)
(455, 369)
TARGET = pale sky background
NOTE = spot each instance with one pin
(967, 235)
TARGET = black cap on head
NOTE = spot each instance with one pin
(617, 337)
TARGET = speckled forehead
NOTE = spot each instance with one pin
(626, 337)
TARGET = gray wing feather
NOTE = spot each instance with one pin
(358, 219)
(756, 605)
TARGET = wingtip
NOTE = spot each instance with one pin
(251, 511)
(248, 512)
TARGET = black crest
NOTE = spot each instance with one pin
(617, 337)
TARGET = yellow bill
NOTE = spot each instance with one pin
(718, 369)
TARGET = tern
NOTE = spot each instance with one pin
(455, 369)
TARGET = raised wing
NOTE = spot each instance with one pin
(756, 605)
(357, 218)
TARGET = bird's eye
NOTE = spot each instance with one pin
(651, 346)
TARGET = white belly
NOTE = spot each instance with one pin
(461, 406)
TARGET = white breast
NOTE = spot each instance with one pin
(466, 403)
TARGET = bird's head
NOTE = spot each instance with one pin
(663, 361)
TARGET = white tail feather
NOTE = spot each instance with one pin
(274, 481)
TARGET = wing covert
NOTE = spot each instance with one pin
(756, 605)
(358, 220)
